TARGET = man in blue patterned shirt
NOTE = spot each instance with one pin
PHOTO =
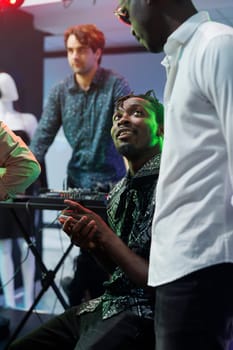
(83, 104)
(122, 318)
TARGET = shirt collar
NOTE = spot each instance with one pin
(150, 170)
(73, 86)
(184, 32)
(151, 167)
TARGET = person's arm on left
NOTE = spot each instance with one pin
(89, 231)
(19, 167)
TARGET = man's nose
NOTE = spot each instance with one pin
(124, 119)
(76, 54)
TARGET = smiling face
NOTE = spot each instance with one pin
(148, 24)
(135, 131)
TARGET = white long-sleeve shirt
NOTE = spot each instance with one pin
(193, 220)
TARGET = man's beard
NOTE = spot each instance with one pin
(128, 151)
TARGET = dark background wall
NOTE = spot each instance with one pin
(21, 56)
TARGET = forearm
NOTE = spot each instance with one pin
(41, 141)
(118, 253)
(104, 260)
(47, 128)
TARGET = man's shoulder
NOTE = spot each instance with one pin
(211, 29)
(111, 74)
(212, 41)
(63, 84)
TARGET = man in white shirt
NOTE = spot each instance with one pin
(191, 260)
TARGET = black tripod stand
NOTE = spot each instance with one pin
(47, 277)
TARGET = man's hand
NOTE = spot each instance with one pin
(89, 231)
(85, 228)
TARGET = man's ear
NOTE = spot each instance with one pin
(160, 131)
(98, 53)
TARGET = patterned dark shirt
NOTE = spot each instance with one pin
(86, 118)
(130, 213)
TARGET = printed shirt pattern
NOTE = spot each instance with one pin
(132, 197)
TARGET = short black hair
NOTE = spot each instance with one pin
(148, 96)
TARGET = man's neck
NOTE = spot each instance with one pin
(177, 13)
(136, 164)
(85, 80)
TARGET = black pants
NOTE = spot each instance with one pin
(68, 331)
(195, 312)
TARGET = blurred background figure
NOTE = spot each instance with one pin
(83, 105)
(24, 125)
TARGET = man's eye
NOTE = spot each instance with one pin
(82, 50)
(116, 117)
(138, 113)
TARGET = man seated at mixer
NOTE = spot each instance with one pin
(122, 318)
